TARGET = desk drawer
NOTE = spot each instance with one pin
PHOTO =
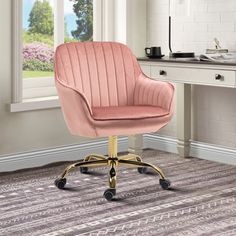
(146, 69)
(214, 77)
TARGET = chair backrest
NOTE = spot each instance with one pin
(105, 72)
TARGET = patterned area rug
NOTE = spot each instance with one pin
(201, 201)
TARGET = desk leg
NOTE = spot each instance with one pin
(136, 144)
(183, 119)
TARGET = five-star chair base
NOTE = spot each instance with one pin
(113, 161)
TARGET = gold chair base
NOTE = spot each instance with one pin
(113, 161)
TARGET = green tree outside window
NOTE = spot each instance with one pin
(41, 18)
(84, 12)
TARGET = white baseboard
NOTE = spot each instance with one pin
(197, 149)
(161, 143)
(66, 153)
(77, 152)
(213, 153)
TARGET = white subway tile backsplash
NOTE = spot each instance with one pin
(228, 16)
(221, 27)
(223, 6)
(207, 17)
(201, 7)
(178, 27)
(228, 39)
(214, 1)
(188, 27)
(214, 109)
(183, 18)
(198, 28)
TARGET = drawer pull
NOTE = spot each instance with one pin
(219, 77)
(162, 72)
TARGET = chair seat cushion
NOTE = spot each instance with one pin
(127, 112)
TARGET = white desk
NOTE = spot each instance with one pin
(186, 73)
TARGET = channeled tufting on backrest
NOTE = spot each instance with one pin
(94, 68)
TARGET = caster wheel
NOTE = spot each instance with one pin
(142, 170)
(109, 194)
(165, 183)
(83, 170)
(60, 183)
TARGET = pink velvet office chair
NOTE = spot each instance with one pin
(103, 92)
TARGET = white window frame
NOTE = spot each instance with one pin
(44, 88)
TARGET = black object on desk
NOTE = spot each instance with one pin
(182, 54)
(177, 54)
(154, 52)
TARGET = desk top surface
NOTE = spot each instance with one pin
(184, 60)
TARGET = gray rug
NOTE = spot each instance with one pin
(201, 202)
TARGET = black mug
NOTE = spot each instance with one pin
(153, 51)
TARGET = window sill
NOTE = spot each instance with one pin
(35, 104)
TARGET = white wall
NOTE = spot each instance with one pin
(194, 28)
(130, 24)
(136, 26)
(214, 109)
(25, 131)
(45, 129)
(120, 8)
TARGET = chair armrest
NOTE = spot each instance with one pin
(81, 96)
(76, 109)
(153, 93)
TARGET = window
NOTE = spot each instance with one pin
(39, 27)
(38, 48)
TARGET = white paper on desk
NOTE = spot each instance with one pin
(219, 57)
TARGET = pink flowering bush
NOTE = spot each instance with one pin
(37, 57)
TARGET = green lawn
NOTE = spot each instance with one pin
(35, 74)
